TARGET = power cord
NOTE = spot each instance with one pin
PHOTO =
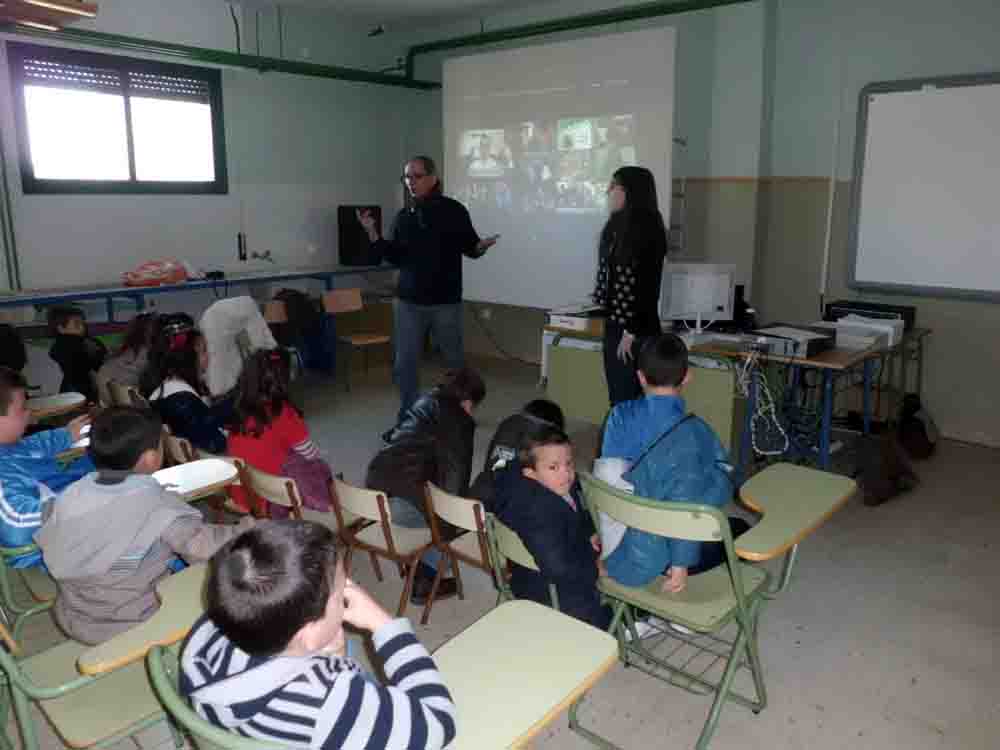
(496, 344)
(764, 421)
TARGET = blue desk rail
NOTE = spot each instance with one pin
(137, 294)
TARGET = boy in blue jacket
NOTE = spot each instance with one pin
(539, 499)
(30, 474)
(674, 457)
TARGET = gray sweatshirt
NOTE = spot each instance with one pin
(108, 540)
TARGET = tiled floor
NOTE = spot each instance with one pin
(888, 637)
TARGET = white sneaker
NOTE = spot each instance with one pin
(643, 629)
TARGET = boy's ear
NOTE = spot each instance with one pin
(149, 461)
(687, 377)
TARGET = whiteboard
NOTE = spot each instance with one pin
(926, 208)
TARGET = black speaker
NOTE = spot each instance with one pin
(355, 248)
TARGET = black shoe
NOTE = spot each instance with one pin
(447, 588)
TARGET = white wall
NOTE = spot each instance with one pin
(296, 148)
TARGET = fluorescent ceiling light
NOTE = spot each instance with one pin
(37, 25)
(65, 7)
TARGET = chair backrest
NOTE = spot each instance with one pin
(178, 449)
(361, 502)
(342, 300)
(691, 521)
(458, 511)
(506, 546)
(275, 489)
(163, 674)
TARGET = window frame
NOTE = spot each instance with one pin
(17, 52)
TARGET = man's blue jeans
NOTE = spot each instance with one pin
(412, 323)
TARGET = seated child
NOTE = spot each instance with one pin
(77, 354)
(433, 442)
(538, 497)
(269, 433)
(126, 365)
(269, 659)
(673, 456)
(174, 383)
(107, 572)
(506, 441)
(30, 474)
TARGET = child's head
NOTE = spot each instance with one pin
(466, 386)
(547, 411)
(127, 438)
(179, 351)
(67, 320)
(262, 389)
(546, 455)
(140, 333)
(663, 363)
(278, 585)
(14, 414)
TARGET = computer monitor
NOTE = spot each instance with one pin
(702, 292)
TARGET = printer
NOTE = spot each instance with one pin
(787, 340)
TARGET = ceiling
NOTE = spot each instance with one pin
(395, 12)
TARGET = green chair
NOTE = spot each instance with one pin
(84, 711)
(728, 598)
(163, 674)
(36, 580)
(506, 547)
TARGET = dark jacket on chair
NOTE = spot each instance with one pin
(79, 357)
(558, 537)
(433, 443)
(188, 416)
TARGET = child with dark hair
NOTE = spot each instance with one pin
(506, 441)
(30, 473)
(77, 354)
(673, 456)
(432, 443)
(269, 659)
(107, 572)
(174, 383)
(538, 497)
(126, 365)
(269, 433)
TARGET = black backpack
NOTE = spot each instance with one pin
(918, 434)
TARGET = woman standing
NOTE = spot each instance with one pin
(631, 252)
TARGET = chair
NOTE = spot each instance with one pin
(402, 545)
(729, 595)
(506, 547)
(163, 675)
(284, 491)
(471, 547)
(84, 711)
(126, 395)
(349, 300)
(39, 584)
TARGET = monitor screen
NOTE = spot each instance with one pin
(697, 291)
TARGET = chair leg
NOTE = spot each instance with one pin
(376, 566)
(430, 597)
(458, 578)
(25, 721)
(407, 587)
(576, 726)
(722, 692)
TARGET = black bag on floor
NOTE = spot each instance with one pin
(883, 469)
(918, 434)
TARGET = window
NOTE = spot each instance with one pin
(92, 123)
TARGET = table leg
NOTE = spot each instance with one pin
(827, 425)
(746, 442)
(867, 395)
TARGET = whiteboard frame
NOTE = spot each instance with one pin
(857, 184)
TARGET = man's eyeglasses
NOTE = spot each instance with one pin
(412, 177)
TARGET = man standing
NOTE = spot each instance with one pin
(429, 237)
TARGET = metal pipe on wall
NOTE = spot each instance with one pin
(569, 23)
(205, 55)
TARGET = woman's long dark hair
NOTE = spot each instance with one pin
(174, 354)
(262, 391)
(140, 333)
(639, 224)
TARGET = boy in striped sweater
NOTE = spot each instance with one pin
(268, 661)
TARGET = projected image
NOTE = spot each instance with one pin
(545, 166)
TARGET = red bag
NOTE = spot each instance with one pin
(155, 273)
